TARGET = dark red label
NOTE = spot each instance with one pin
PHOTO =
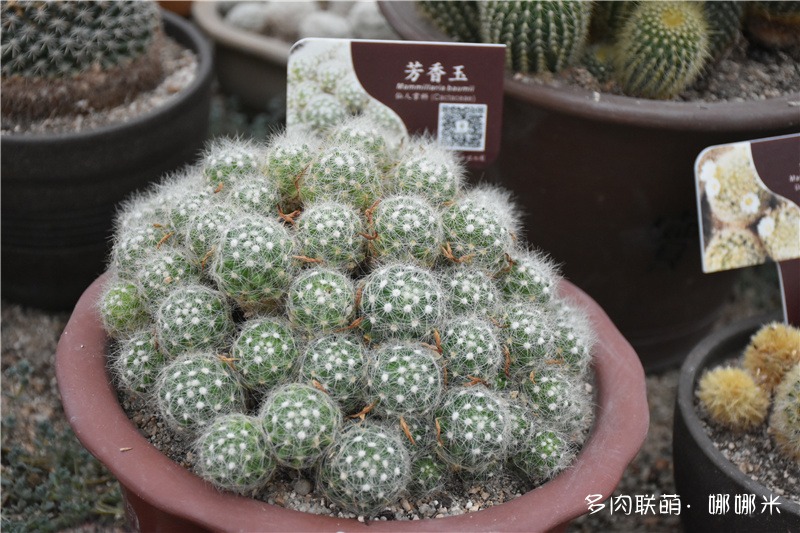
(777, 162)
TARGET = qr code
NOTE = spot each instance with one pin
(462, 127)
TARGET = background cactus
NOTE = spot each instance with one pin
(72, 57)
(457, 19)
(732, 399)
(771, 353)
(122, 308)
(785, 420)
(774, 24)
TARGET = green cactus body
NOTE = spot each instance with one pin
(531, 277)
(301, 422)
(459, 20)
(337, 362)
(474, 427)
(122, 308)
(427, 170)
(573, 338)
(401, 301)
(322, 112)
(528, 337)
(477, 231)
(253, 264)
(200, 199)
(163, 270)
(608, 16)
(362, 134)
(134, 244)
(228, 160)
(232, 453)
(367, 468)
(137, 361)
(320, 300)
(191, 318)
(204, 229)
(405, 379)
(724, 25)
(470, 349)
(288, 158)
(428, 475)
(470, 290)
(342, 173)
(546, 453)
(661, 49)
(257, 194)
(773, 24)
(540, 36)
(408, 228)
(264, 353)
(195, 389)
(330, 232)
(94, 52)
(785, 420)
(598, 59)
(554, 398)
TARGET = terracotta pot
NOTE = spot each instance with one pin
(248, 65)
(162, 496)
(608, 189)
(700, 468)
(60, 191)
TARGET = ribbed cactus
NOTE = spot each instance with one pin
(540, 35)
(724, 25)
(301, 422)
(71, 57)
(732, 399)
(785, 420)
(662, 48)
(457, 19)
(367, 468)
(232, 453)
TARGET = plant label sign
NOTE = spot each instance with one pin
(748, 196)
(453, 91)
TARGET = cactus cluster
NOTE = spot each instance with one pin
(386, 338)
(741, 398)
(649, 49)
(750, 223)
(71, 57)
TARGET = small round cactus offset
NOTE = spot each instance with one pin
(470, 290)
(337, 363)
(137, 361)
(785, 420)
(732, 399)
(404, 379)
(771, 353)
(228, 160)
(301, 422)
(471, 350)
(529, 337)
(331, 232)
(203, 230)
(133, 244)
(320, 301)
(546, 452)
(232, 453)
(400, 300)
(429, 171)
(163, 270)
(193, 317)
(474, 427)
(122, 308)
(264, 353)
(342, 173)
(288, 157)
(554, 398)
(531, 276)
(196, 388)
(367, 468)
(407, 228)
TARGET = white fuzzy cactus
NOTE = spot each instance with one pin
(204, 229)
(264, 353)
(228, 160)
(287, 159)
(779, 231)
(530, 276)
(404, 379)
(337, 363)
(320, 300)
(193, 317)
(135, 243)
(331, 232)
(732, 186)
(471, 349)
(163, 270)
(341, 172)
(528, 337)
(545, 454)
(470, 290)
(430, 171)
(733, 247)
(137, 361)
(122, 307)
(257, 194)
(407, 228)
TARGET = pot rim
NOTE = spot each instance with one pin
(174, 25)
(698, 361)
(101, 425)
(779, 112)
(207, 17)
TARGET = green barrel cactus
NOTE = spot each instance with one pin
(320, 300)
(137, 361)
(661, 49)
(228, 160)
(459, 20)
(264, 353)
(407, 228)
(474, 427)
(163, 270)
(90, 55)
(785, 420)
(194, 389)
(122, 308)
(724, 20)
(471, 350)
(404, 379)
(427, 170)
(367, 468)
(193, 318)
(330, 233)
(342, 173)
(232, 454)
(301, 422)
(337, 363)
(531, 277)
(540, 36)
(400, 301)
(470, 290)
(253, 262)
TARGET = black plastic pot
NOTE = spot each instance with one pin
(60, 191)
(701, 470)
(607, 187)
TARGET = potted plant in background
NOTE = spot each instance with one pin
(606, 179)
(208, 235)
(61, 185)
(740, 385)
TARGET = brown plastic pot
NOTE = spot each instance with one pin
(162, 496)
(248, 65)
(608, 190)
(700, 468)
